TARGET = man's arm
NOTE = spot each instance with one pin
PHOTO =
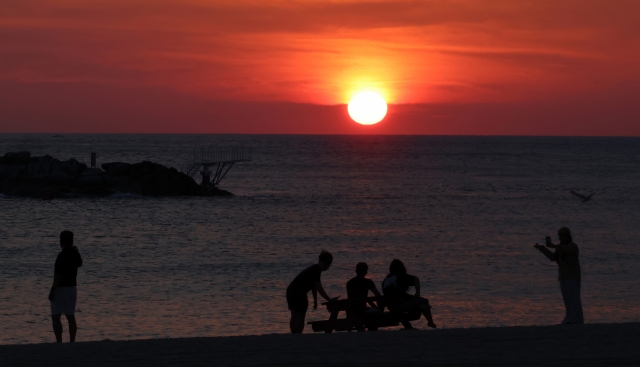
(56, 282)
(318, 287)
(374, 290)
(314, 292)
(79, 257)
(550, 255)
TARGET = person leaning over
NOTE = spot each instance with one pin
(566, 255)
(307, 280)
(395, 287)
(63, 294)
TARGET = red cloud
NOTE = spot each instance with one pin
(314, 52)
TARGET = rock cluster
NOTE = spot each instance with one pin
(47, 177)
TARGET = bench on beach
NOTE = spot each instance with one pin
(370, 321)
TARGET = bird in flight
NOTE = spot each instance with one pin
(584, 198)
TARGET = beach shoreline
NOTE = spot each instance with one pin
(567, 345)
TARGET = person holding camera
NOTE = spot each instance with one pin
(566, 256)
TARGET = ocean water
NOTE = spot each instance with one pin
(462, 212)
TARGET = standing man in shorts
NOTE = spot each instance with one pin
(307, 280)
(63, 293)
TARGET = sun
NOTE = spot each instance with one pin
(367, 108)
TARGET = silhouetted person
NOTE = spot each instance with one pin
(307, 280)
(395, 287)
(566, 255)
(63, 293)
(357, 291)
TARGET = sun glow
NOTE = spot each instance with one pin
(367, 108)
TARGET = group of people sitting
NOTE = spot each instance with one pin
(394, 295)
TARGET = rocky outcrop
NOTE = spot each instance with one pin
(24, 175)
(150, 179)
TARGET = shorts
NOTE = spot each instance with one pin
(64, 301)
(297, 301)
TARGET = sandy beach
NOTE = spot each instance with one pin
(579, 345)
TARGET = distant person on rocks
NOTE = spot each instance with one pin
(63, 293)
(357, 291)
(566, 255)
(395, 287)
(307, 280)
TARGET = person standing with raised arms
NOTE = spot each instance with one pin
(569, 274)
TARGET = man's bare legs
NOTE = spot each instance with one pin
(73, 328)
(57, 327)
(297, 322)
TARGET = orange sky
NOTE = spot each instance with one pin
(447, 67)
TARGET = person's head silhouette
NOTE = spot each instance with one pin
(362, 269)
(397, 268)
(564, 234)
(66, 239)
(325, 259)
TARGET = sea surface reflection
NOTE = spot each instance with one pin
(461, 212)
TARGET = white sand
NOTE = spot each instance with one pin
(578, 345)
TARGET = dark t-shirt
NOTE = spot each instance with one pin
(304, 282)
(67, 264)
(357, 291)
(395, 287)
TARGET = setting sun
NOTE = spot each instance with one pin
(367, 108)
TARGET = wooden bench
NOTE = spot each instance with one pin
(370, 321)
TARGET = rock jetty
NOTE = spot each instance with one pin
(47, 177)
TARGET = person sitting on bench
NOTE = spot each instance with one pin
(395, 287)
(357, 291)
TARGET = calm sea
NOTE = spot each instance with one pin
(462, 212)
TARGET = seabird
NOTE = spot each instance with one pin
(584, 198)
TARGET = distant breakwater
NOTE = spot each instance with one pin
(47, 177)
